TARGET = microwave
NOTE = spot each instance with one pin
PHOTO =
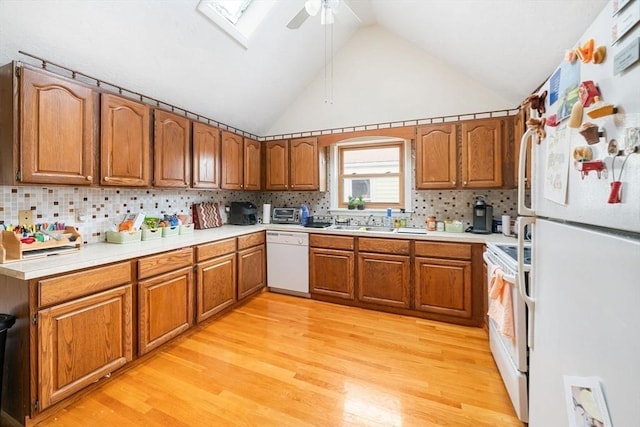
(284, 216)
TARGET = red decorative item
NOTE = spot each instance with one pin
(614, 195)
(587, 92)
(552, 121)
(594, 165)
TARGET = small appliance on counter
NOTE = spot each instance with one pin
(243, 213)
(482, 217)
(284, 216)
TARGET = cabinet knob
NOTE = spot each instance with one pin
(453, 182)
(107, 179)
(89, 177)
(464, 183)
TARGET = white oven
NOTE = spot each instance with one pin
(510, 354)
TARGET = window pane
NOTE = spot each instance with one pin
(374, 189)
(371, 160)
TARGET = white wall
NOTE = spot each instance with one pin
(380, 77)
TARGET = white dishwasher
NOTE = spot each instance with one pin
(288, 262)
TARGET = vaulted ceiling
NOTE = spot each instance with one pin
(170, 51)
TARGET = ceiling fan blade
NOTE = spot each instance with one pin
(298, 20)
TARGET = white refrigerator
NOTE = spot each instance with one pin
(583, 293)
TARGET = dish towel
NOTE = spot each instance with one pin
(501, 304)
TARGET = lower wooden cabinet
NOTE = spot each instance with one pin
(332, 273)
(215, 286)
(384, 279)
(332, 266)
(384, 271)
(443, 287)
(216, 277)
(81, 341)
(165, 308)
(252, 266)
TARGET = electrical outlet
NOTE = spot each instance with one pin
(25, 218)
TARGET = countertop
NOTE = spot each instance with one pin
(104, 253)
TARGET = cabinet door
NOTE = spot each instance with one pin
(232, 161)
(206, 156)
(124, 142)
(165, 308)
(58, 130)
(384, 279)
(81, 341)
(482, 153)
(172, 154)
(519, 128)
(215, 286)
(276, 165)
(332, 273)
(443, 287)
(251, 271)
(252, 165)
(436, 161)
(304, 164)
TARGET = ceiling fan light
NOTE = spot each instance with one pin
(313, 6)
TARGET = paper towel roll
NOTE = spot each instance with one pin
(266, 213)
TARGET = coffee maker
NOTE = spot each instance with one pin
(482, 216)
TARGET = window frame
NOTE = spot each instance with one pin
(337, 184)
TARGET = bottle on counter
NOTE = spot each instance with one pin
(304, 215)
(431, 223)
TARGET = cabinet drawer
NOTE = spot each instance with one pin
(70, 286)
(168, 261)
(250, 240)
(443, 250)
(331, 242)
(385, 246)
(212, 250)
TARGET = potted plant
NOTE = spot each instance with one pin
(360, 203)
(351, 203)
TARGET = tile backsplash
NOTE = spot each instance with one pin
(103, 207)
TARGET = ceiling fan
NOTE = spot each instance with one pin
(327, 9)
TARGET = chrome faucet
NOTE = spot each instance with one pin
(369, 219)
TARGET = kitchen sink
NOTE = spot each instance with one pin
(371, 228)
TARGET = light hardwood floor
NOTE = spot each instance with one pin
(287, 361)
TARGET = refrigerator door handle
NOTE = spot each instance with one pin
(523, 209)
(529, 301)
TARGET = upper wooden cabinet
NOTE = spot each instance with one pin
(276, 165)
(232, 161)
(206, 156)
(125, 143)
(240, 162)
(172, 150)
(252, 165)
(57, 130)
(436, 160)
(519, 128)
(304, 164)
(482, 153)
(294, 165)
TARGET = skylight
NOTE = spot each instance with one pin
(231, 9)
(238, 18)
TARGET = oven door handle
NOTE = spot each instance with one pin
(511, 278)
